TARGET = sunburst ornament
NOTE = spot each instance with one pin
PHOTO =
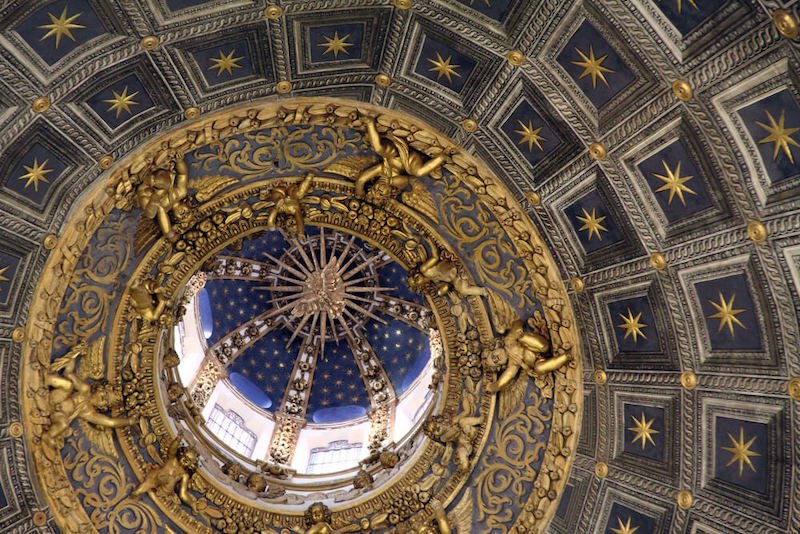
(591, 223)
(643, 431)
(226, 63)
(443, 67)
(61, 26)
(779, 135)
(592, 66)
(3, 277)
(740, 452)
(632, 326)
(530, 135)
(334, 45)
(625, 528)
(726, 313)
(36, 174)
(674, 183)
(326, 286)
(122, 102)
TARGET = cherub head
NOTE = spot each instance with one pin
(188, 459)
(104, 396)
(317, 513)
(435, 427)
(416, 280)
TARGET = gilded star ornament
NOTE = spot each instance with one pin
(443, 67)
(3, 277)
(530, 135)
(592, 66)
(36, 174)
(625, 528)
(632, 326)
(591, 223)
(122, 102)
(726, 313)
(226, 63)
(740, 452)
(61, 26)
(674, 183)
(679, 5)
(779, 135)
(335, 44)
(643, 431)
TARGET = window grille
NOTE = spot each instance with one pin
(337, 456)
(229, 427)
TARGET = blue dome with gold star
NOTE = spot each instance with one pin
(322, 326)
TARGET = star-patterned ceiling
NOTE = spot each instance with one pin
(680, 178)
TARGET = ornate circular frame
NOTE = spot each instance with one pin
(134, 354)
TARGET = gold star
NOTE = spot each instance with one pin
(336, 44)
(592, 223)
(62, 25)
(443, 67)
(530, 136)
(35, 174)
(3, 270)
(226, 63)
(741, 452)
(643, 431)
(674, 182)
(780, 135)
(726, 313)
(679, 4)
(632, 326)
(592, 66)
(624, 529)
(122, 102)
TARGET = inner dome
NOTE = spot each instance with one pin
(321, 326)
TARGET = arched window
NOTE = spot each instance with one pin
(229, 427)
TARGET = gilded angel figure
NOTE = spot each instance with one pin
(288, 203)
(179, 465)
(318, 520)
(162, 191)
(72, 398)
(518, 349)
(444, 274)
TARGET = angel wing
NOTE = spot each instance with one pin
(503, 315)
(91, 365)
(102, 438)
(351, 166)
(209, 185)
(461, 514)
(420, 199)
(146, 231)
(510, 397)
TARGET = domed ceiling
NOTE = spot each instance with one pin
(652, 147)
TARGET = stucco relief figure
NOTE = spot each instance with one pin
(400, 164)
(179, 465)
(457, 430)
(288, 201)
(444, 274)
(318, 520)
(148, 301)
(440, 523)
(72, 398)
(518, 349)
(161, 192)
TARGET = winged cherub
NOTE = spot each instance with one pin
(72, 397)
(444, 274)
(519, 348)
(163, 191)
(318, 520)
(288, 202)
(400, 164)
(180, 463)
